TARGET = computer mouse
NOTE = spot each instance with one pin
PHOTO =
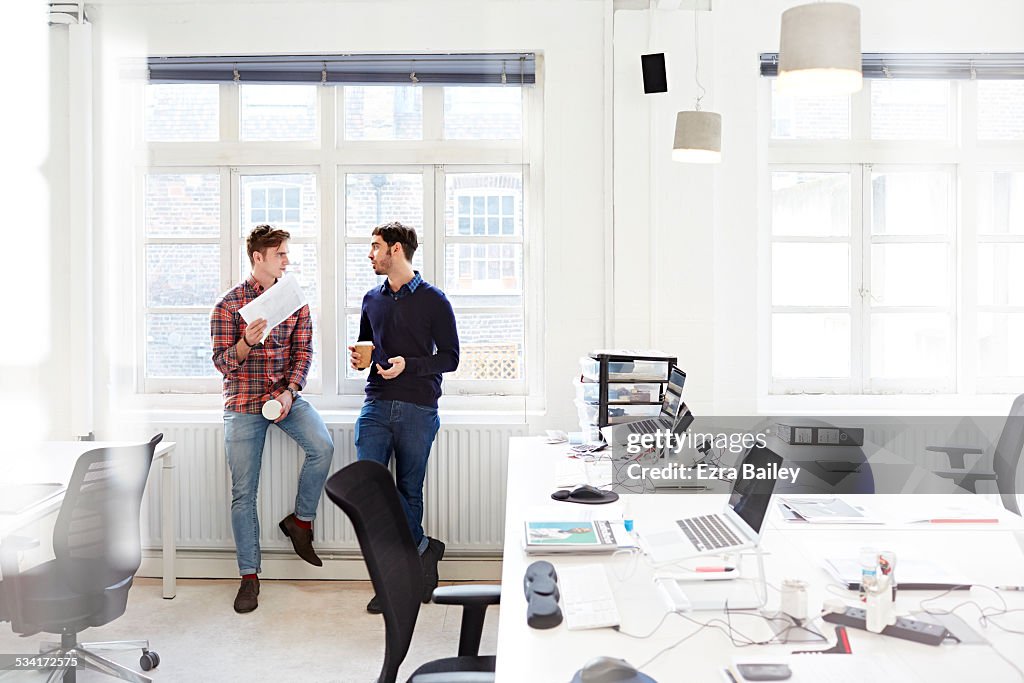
(560, 494)
(607, 670)
(587, 492)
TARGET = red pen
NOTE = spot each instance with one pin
(714, 569)
(956, 520)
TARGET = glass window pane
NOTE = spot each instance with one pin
(182, 112)
(182, 205)
(911, 203)
(372, 199)
(796, 265)
(909, 275)
(296, 192)
(910, 345)
(182, 274)
(1001, 110)
(810, 345)
(1001, 274)
(810, 204)
(491, 346)
(383, 112)
(482, 113)
(1000, 339)
(305, 266)
(490, 279)
(351, 337)
(910, 110)
(278, 112)
(178, 345)
(809, 117)
(490, 200)
(1001, 203)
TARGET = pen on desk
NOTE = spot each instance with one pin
(956, 520)
(729, 674)
(1010, 588)
(714, 569)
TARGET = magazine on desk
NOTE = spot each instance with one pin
(579, 536)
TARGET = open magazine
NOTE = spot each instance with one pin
(593, 536)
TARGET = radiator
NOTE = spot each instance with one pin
(464, 494)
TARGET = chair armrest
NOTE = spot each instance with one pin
(955, 453)
(455, 677)
(468, 595)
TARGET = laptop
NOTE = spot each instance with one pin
(737, 527)
(617, 435)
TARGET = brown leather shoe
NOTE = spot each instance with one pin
(302, 540)
(246, 600)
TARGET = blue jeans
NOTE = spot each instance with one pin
(408, 431)
(244, 436)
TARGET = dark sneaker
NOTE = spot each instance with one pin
(373, 607)
(302, 540)
(246, 600)
(429, 559)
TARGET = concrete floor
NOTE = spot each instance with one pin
(302, 631)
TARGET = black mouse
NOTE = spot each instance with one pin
(607, 670)
(587, 492)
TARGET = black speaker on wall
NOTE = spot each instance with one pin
(655, 79)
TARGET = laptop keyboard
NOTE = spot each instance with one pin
(645, 426)
(708, 532)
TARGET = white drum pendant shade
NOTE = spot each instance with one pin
(698, 137)
(819, 50)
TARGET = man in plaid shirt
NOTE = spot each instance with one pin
(256, 370)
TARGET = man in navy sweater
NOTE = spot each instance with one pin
(412, 327)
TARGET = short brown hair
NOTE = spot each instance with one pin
(396, 233)
(264, 237)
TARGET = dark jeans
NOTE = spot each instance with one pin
(408, 431)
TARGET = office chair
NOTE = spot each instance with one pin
(1005, 459)
(366, 493)
(97, 550)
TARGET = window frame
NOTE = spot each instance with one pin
(329, 158)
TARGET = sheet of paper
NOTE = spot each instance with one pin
(275, 304)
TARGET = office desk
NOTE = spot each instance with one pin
(55, 461)
(987, 553)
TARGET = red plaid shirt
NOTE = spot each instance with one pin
(283, 358)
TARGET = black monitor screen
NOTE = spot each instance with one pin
(750, 495)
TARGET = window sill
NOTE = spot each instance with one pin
(887, 404)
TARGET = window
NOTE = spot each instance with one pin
(450, 162)
(895, 265)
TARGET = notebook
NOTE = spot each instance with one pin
(579, 536)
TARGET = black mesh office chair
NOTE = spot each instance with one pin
(97, 550)
(1005, 460)
(366, 493)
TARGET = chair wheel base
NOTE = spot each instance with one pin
(149, 660)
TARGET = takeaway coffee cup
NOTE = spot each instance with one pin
(272, 409)
(365, 351)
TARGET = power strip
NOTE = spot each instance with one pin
(909, 629)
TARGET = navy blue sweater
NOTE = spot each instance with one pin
(418, 325)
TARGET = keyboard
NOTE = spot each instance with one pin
(708, 532)
(648, 426)
(587, 598)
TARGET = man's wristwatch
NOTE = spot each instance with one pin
(293, 392)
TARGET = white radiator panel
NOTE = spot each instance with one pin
(464, 494)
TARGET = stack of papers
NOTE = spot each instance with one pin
(823, 511)
(597, 536)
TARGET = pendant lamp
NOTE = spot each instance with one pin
(698, 138)
(819, 50)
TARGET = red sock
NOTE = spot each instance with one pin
(303, 523)
(248, 576)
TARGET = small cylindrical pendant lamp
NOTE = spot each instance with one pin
(819, 50)
(698, 137)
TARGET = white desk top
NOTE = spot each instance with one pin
(987, 554)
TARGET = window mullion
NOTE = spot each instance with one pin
(860, 230)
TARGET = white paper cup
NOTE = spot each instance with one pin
(272, 409)
(365, 351)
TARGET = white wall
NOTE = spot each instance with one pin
(707, 218)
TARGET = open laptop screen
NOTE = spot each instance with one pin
(673, 393)
(751, 496)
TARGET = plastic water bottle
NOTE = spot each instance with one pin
(868, 572)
